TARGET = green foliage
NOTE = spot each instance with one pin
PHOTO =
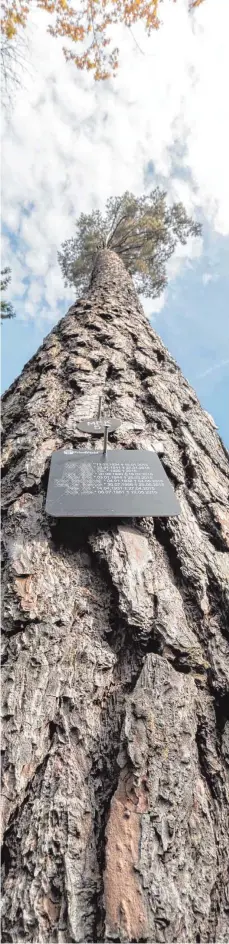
(144, 231)
(7, 310)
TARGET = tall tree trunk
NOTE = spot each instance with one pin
(116, 666)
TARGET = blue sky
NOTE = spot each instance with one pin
(194, 325)
(69, 143)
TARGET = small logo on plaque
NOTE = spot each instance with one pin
(120, 483)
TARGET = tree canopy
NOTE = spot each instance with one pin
(88, 22)
(7, 310)
(144, 231)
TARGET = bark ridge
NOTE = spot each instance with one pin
(115, 650)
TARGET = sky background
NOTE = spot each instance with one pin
(69, 143)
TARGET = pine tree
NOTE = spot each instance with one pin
(7, 310)
(143, 231)
(115, 750)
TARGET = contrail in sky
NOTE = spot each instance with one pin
(211, 369)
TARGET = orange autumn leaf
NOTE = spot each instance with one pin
(89, 20)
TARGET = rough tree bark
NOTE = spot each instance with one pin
(116, 746)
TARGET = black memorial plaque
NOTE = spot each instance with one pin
(97, 426)
(124, 483)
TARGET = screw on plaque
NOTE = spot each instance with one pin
(105, 441)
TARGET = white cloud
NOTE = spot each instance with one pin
(207, 277)
(152, 306)
(72, 142)
(183, 255)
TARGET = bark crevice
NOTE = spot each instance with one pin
(115, 667)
